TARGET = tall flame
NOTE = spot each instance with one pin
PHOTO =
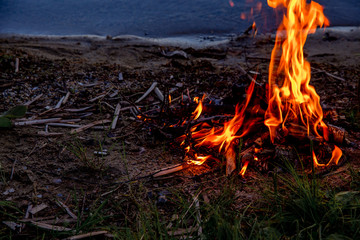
(291, 98)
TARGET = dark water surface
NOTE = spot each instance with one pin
(153, 18)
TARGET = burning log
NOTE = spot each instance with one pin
(230, 160)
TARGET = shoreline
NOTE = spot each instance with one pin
(197, 41)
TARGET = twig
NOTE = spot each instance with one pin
(40, 121)
(98, 97)
(66, 97)
(33, 100)
(329, 74)
(159, 94)
(13, 169)
(79, 109)
(80, 129)
(111, 191)
(66, 208)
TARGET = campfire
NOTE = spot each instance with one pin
(275, 118)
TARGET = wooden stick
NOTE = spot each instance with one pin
(38, 208)
(13, 169)
(17, 63)
(48, 134)
(82, 128)
(166, 171)
(51, 227)
(66, 208)
(66, 97)
(58, 105)
(40, 121)
(98, 97)
(230, 160)
(86, 235)
(151, 88)
(79, 109)
(116, 116)
(159, 94)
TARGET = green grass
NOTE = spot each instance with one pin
(292, 206)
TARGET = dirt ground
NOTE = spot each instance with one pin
(37, 167)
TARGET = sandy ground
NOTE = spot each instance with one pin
(46, 168)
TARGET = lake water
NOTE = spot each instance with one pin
(152, 18)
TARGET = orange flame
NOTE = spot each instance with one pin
(335, 157)
(291, 98)
(196, 114)
(243, 169)
(199, 160)
(224, 136)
